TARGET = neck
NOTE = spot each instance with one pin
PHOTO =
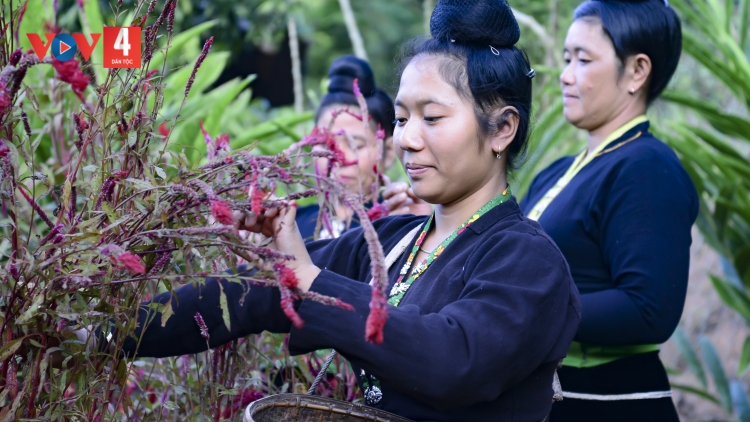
(449, 217)
(598, 135)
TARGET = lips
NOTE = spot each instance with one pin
(413, 169)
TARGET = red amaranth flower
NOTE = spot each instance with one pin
(286, 275)
(202, 325)
(198, 63)
(131, 262)
(69, 71)
(221, 212)
(377, 211)
(15, 57)
(163, 130)
(376, 319)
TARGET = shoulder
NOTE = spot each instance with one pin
(521, 241)
(545, 178)
(649, 160)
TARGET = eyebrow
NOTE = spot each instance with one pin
(420, 103)
(575, 49)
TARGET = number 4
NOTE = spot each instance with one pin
(121, 43)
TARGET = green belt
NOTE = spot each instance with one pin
(589, 355)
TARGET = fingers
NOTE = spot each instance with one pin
(393, 189)
(410, 193)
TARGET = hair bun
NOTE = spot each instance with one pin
(345, 70)
(489, 22)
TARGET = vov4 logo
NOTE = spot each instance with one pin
(122, 46)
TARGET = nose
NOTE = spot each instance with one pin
(409, 138)
(567, 77)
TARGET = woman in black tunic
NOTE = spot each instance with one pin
(483, 306)
(621, 213)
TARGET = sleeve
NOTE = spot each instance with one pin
(513, 315)
(253, 308)
(645, 237)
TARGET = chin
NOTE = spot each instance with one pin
(573, 117)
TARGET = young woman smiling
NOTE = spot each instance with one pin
(482, 304)
(621, 212)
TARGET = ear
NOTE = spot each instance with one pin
(389, 154)
(639, 69)
(506, 128)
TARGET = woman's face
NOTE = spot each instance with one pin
(594, 91)
(437, 138)
(357, 177)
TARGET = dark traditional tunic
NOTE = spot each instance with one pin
(623, 223)
(476, 338)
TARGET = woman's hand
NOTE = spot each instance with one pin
(400, 199)
(281, 225)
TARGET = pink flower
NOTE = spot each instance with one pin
(222, 142)
(202, 325)
(376, 319)
(69, 71)
(357, 92)
(377, 211)
(221, 212)
(287, 278)
(380, 134)
(131, 262)
(15, 57)
(163, 130)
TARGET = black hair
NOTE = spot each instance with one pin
(649, 27)
(341, 76)
(478, 37)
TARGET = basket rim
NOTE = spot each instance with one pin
(323, 404)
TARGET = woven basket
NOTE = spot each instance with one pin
(304, 408)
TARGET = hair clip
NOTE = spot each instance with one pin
(452, 40)
(494, 51)
(531, 73)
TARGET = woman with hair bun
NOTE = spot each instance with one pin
(482, 306)
(359, 177)
(621, 212)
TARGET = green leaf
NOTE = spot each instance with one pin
(7, 350)
(692, 390)
(740, 400)
(713, 362)
(682, 342)
(167, 313)
(734, 298)
(224, 308)
(179, 41)
(744, 358)
(267, 129)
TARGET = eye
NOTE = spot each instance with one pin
(431, 119)
(400, 121)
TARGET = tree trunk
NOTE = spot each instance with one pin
(427, 7)
(296, 65)
(351, 27)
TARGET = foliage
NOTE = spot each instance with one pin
(115, 191)
(711, 150)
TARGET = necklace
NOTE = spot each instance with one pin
(402, 286)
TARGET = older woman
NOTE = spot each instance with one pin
(621, 212)
(482, 304)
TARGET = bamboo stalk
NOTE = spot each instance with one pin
(296, 65)
(353, 30)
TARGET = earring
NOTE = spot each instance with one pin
(632, 91)
(498, 155)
